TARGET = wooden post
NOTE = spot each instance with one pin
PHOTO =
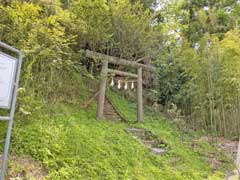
(139, 96)
(101, 97)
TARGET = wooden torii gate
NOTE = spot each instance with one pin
(104, 73)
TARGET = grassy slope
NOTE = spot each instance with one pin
(73, 145)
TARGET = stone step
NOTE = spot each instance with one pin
(110, 113)
(159, 151)
(149, 140)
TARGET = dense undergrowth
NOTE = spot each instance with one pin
(202, 82)
(72, 144)
(194, 46)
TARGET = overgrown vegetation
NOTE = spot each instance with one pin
(73, 145)
(198, 64)
(193, 44)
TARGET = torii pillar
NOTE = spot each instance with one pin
(102, 90)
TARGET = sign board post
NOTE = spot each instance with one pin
(10, 68)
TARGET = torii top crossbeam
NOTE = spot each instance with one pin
(119, 61)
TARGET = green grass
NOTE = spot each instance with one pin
(73, 145)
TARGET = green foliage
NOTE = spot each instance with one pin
(115, 27)
(203, 84)
(92, 20)
(48, 59)
(198, 73)
(73, 145)
(209, 17)
(51, 35)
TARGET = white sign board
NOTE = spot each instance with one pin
(7, 78)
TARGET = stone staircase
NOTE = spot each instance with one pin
(149, 140)
(146, 138)
(110, 113)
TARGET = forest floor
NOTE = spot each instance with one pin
(24, 167)
(229, 147)
(65, 142)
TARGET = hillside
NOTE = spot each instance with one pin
(175, 62)
(71, 144)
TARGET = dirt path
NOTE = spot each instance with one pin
(24, 168)
(228, 147)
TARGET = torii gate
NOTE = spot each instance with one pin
(104, 73)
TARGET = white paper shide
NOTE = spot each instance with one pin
(7, 76)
